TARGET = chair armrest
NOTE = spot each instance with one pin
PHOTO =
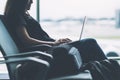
(114, 58)
(42, 55)
(43, 65)
(23, 59)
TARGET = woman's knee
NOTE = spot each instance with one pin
(90, 41)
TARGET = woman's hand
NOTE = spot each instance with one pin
(62, 41)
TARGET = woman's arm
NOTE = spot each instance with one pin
(25, 38)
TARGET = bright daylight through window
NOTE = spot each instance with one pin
(65, 18)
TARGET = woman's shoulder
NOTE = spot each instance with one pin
(28, 17)
(30, 20)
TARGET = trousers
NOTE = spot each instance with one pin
(89, 50)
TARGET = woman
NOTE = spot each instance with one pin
(20, 20)
(25, 30)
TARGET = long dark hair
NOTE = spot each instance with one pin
(14, 7)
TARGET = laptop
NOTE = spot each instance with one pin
(81, 32)
(74, 52)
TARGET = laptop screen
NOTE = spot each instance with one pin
(81, 32)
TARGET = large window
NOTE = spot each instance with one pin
(78, 8)
(101, 16)
(64, 18)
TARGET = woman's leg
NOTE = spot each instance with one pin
(89, 50)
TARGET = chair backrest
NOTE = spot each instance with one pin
(7, 46)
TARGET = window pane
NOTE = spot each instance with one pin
(65, 18)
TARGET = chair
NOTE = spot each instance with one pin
(13, 57)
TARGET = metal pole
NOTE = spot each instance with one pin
(37, 10)
(118, 18)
